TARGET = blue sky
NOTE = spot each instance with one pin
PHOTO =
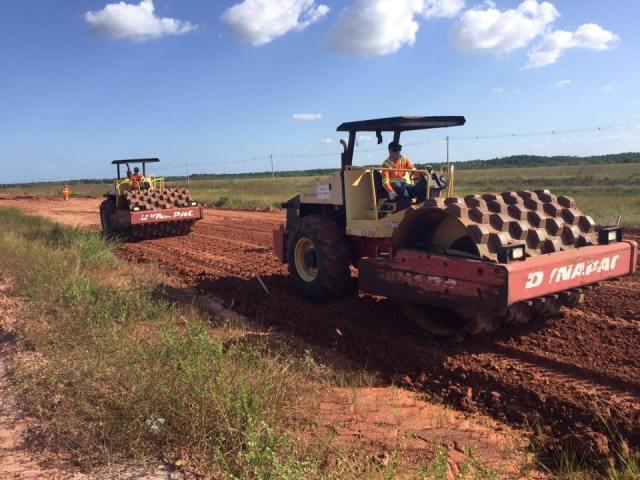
(217, 83)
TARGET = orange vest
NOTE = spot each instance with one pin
(405, 177)
(135, 181)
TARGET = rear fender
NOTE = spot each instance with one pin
(280, 240)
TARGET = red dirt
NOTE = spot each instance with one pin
(549, 373)
(386, 421)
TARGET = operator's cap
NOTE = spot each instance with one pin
(136, 169)
(395, 146)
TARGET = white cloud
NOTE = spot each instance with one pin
(589, 36)
(498, 90)
(443, 8)
(326, 141)
(308, 117)
(562, 83)
(139, 22)
(257, 22)
(607, 88)
(490, 30)
(376, 27)
(365, 138)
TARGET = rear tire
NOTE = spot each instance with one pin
(319, 257)
(107, 209)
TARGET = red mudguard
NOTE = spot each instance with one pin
(280, 238)
(450, 281)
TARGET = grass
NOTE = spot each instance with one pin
(603, 191)
(109, 372)
(471, 468)
(579, 459)
(120, 373)
(567, 466)
(250, 193)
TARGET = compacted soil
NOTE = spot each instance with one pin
(577, 373)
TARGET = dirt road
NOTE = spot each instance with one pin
(563, 374)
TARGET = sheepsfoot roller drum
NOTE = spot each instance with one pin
(455, 265)
(140, 208)
(468, 265)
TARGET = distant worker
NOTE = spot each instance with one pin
(135, 179)
(137, 176)
(65, 193)
(400, 185)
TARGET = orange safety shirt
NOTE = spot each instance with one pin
(136, 180)
(388, 176)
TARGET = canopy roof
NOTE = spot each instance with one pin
(401, 124)
(135, 160)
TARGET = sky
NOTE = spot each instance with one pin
(213, 86)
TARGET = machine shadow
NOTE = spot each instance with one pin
(364, 332)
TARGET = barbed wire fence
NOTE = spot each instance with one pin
(188, 169)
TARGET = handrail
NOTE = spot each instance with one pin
(386, 169)
(450, 179)
(427, 173)
(374, 199)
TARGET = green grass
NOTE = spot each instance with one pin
(120, 373)
(604, 191)
(566, 466)
(250, 193)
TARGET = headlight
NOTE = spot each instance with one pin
(193, 204)
(136, 209)
(509, 253)
(607, 235)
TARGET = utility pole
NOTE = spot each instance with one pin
(273, 175)
(188, 179)
(447, 154)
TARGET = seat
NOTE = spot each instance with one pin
(438, 184)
